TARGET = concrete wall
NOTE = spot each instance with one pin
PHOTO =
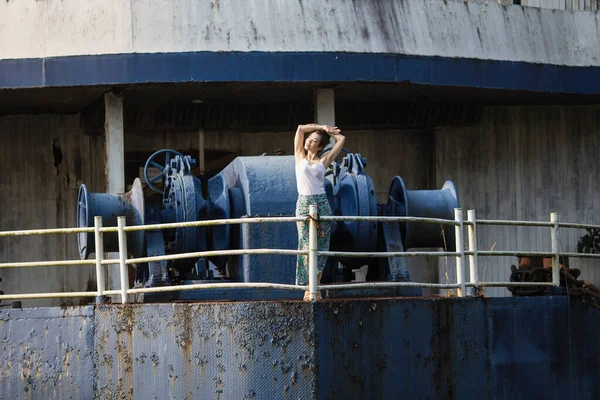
(44, 159)
(53, 28)
(523, 163)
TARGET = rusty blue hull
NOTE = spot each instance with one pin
(422, 348)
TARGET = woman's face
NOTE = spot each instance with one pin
(312, 142)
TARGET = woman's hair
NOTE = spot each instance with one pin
(323, 139)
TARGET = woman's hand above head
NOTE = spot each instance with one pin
(331, 130)
(334, 132)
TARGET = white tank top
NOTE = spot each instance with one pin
(310, 177)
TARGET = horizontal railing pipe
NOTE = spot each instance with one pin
(514, 223)
(227, 285)
(516, 253)
(214, 253)
(368, 285)
(511, 284)
(391, 219)
(46, 295)
(212, 222)
(578, 226)
(28, 264)
(53, 231)
(372, 254)
(580, 255)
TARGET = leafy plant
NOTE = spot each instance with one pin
(590, 242)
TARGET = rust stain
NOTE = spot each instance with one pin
(184, 338)
(124, 323)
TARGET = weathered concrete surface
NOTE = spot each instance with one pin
(544, 347)
(45, 158)
(523, 163)
(53, 28)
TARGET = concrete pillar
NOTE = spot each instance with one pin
(115, 144)
(325, 107)
(115, 165)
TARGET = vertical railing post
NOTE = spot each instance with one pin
(555, 250)
(313, 258)
(123, 259)
(460, 259)
(99, 245)
(473, 271)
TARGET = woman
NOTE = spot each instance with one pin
(310, 175)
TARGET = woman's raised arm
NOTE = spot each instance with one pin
(334, 132)
(299, 139)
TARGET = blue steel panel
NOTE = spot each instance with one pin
(210, 351)
(295, 67)
(47, 353)
(544, 347)
(401, 348)
(498, 348)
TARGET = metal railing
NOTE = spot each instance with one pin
(463, 286)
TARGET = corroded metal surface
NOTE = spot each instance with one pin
(409, 348)
(205, 351)
(46, 353)
(537, 347)
(386, 348)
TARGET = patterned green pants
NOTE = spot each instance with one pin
(323, 233)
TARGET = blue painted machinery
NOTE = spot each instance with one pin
(263, 186)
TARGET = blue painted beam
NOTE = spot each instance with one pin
(116, 69)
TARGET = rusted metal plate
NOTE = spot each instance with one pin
(47, 353)
(205, 351)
